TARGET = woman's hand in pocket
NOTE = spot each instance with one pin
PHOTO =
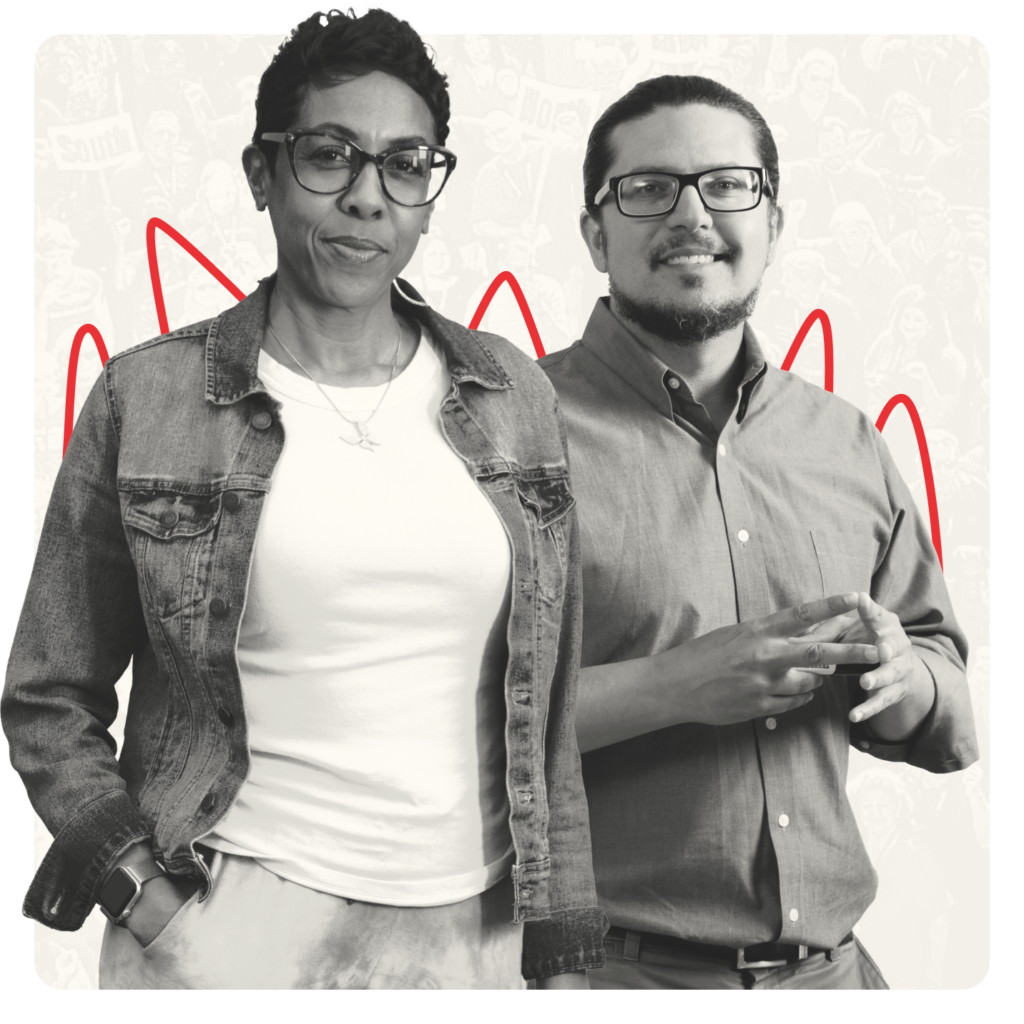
(161, 899)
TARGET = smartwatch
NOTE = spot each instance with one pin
(122, 889)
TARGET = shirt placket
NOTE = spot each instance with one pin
(746, 543)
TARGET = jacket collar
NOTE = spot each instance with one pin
(233, 345)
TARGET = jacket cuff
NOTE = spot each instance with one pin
(570, 940)
(63, 891)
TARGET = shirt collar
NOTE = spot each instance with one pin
(233, 345)
(621, 351)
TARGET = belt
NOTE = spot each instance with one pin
(764, 954)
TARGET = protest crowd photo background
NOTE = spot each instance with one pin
(884, 149)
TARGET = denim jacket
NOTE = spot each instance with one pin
(145, 555)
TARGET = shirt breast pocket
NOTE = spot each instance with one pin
(171, 536)
(846, 559)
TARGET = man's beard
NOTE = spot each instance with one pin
(684, 326)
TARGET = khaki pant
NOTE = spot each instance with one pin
(657, 969)
(259, 931)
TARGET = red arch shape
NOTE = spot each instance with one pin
(69, 391)
(926, 461)
(506, 276)
(826, 330)
(154, 267)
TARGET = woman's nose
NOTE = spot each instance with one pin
(365, 197)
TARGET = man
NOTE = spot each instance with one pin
(726, 508)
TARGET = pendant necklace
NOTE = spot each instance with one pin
(365, 442)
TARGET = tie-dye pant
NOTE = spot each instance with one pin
(258, 930)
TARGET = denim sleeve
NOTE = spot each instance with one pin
(79, 628)
(909, 582)
(571, 939)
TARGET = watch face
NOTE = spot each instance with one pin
(117, 893)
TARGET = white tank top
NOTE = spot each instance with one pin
(372, 654)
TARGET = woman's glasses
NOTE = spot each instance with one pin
(326, 164)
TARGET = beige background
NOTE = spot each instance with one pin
(904, 278)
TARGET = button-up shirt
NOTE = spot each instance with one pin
(740, 834)
(145, 556)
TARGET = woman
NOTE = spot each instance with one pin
(334, 533)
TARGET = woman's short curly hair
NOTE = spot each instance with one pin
(326, 49)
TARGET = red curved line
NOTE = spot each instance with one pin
(826, 330)
(69, 391)
(506, 276)
(154, 267)
(926, 461)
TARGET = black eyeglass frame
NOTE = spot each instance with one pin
(611, 186)
(363, 158)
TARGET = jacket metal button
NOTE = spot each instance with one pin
(208, 803)
(219, 607)
(226, 717)
(232, 501)
(262, 420)
(169, 519)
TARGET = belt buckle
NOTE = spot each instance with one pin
(742, 963)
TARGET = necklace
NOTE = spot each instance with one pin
(365, 441)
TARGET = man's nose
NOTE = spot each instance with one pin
(689, 212)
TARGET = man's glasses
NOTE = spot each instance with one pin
(653, 193)
(326, 164)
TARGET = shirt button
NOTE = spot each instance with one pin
(743, 536)
(209, 801)
(169, 519)
(219, 607)
(673, 383)
(784, 821)
(864, 745)
(721, 450)
(794, 914)
(262, 420)
(770, 723)
(232, 501)
(226, 717)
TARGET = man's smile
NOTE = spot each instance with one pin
(696, 258)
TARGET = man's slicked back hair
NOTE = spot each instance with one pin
(671, 91)
(326, 49)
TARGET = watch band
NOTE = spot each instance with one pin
(136, 875)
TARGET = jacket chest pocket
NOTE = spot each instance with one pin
(172, 537)
(547, 501)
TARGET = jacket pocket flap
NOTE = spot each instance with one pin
(166, 516)
(547, 493)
